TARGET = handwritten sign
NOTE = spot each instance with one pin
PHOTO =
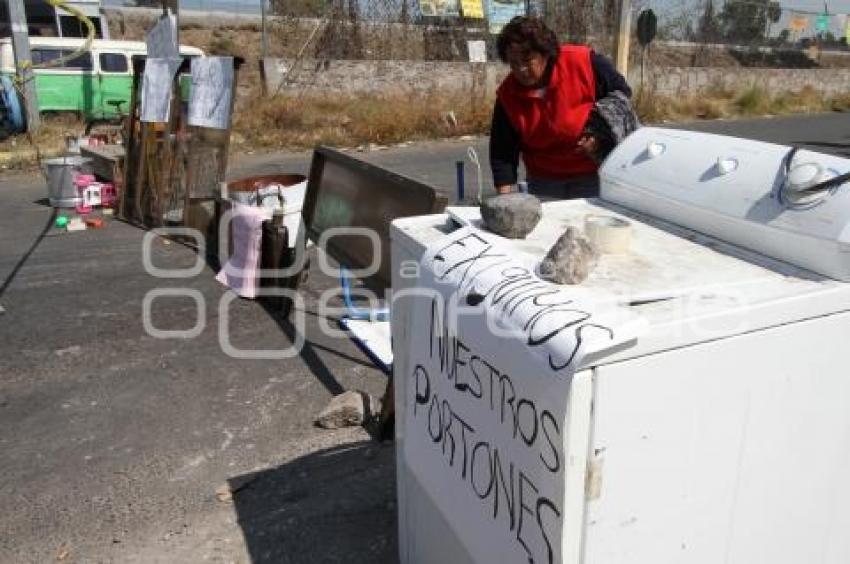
(161, 40)
(212, 92)
(156, 89)
(477, 51)
(491, 366)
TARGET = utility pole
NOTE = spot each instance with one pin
(23, 62)
(624, 32)
(264, 46)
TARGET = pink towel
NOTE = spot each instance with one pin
(240, 271)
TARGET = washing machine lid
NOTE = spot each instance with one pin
(747, 193)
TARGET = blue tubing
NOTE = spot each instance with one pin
(353, 311)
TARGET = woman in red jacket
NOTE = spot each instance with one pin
(546, 111)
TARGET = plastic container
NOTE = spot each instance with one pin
(295, 188)
(61, 172)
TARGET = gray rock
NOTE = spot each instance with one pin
(511, 215)
(570, 259)
(349, 409)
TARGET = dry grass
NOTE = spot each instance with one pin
(21, 151)
(298, 122)
(718, 102)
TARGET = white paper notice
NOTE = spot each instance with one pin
(156, 89)
(161, 40)
(212, 90)
(488, 385)
(477, 51)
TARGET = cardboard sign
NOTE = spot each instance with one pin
(156, 89)
(477, 51)
(161, 40)
(491, 367)
(212, 92)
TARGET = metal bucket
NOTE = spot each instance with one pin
(61, 191)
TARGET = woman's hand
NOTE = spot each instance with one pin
(504, 189)
(588, 145)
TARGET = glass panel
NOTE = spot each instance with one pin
(41, 55)
(82, 61)
(113, 62)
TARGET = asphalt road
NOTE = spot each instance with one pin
(434, 162)
(114, 442)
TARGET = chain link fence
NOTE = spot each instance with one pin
(698, 33)
(751, 33)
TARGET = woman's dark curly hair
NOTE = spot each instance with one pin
(531, 34)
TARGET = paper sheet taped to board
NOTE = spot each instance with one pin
(156, 89)
(490, 370)
(212, 91)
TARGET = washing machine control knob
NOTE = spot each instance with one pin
(725, 165)
(654, 149)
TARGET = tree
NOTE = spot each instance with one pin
(677, 23)
(708, 29)
(745, 20)
(829, 40)
(774, 13)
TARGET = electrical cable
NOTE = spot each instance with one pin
(796, 197)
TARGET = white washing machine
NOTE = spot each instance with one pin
(721, 433)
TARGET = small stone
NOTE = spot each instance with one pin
(570, 259)
(73, 350)
(230, 488)
(223, 493)
(63, 553)
(349, 409)
(511, 215)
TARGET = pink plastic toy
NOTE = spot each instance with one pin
(107, 194)
(89, 194)
(82, 180)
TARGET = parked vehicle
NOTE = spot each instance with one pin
(96, 83)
